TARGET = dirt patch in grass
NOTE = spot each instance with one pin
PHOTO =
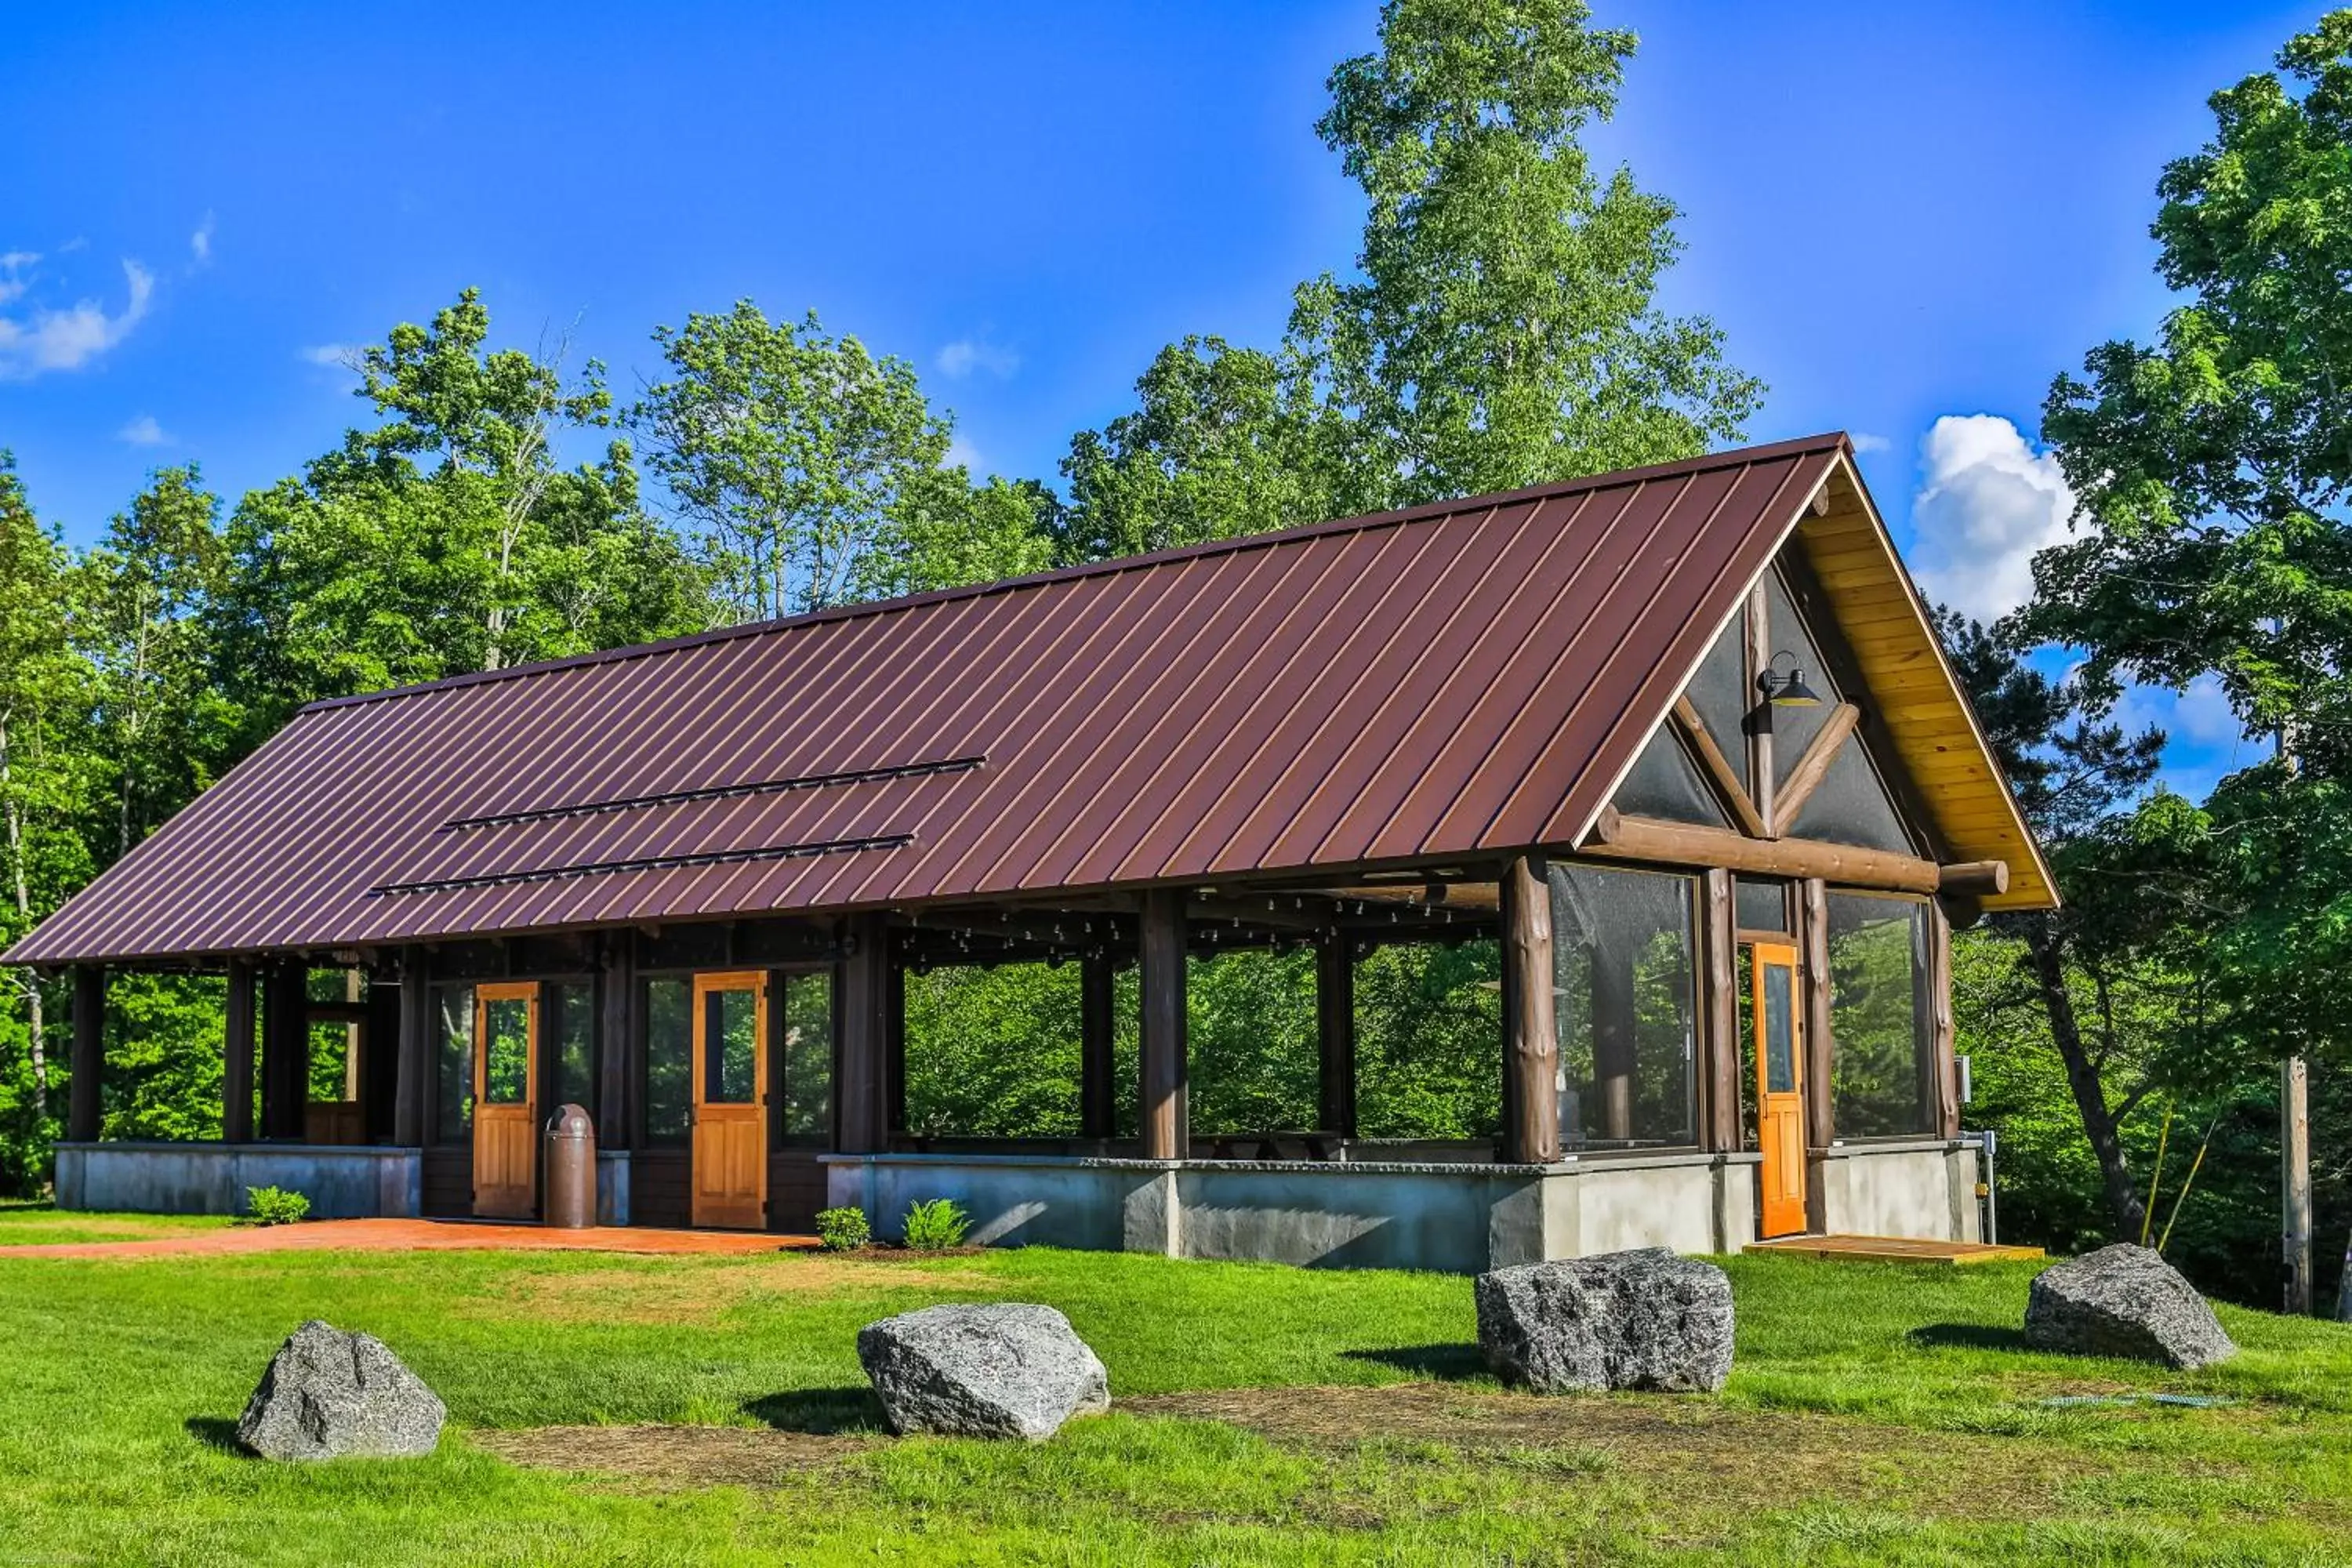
(673, 1455)
(1691, 1448)
(668, 1294)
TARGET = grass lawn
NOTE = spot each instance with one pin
(1266, 1414)
(26, 1224)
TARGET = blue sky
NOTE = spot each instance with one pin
(1897, 213)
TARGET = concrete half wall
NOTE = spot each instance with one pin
(1924, 1188)
(1461, 1218)
(341, 1181)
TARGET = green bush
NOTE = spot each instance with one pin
(936, 1225)
(274, 1205)
(842, 1230)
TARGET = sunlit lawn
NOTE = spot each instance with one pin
(29, 1224)
(1877, 1414)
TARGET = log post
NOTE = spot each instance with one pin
(1821, 1122)
(617, 1048)
(412, 1047)
(861, 1113)
(1163, 1113)
(1943, 1069)
(236, 1056)
(85, 1110)
(1718, 1012)
(1097, 1048)
(1335, 1033)
(1530, 1038)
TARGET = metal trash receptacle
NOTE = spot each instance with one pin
(571, 1169)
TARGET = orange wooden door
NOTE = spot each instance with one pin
(1780, 1088)
(731, 1100)
(505, 1100)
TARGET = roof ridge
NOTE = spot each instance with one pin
(1679, 467)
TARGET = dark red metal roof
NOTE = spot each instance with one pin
(1468, 676)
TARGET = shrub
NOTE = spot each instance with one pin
(936, 1225)
(275, 1205)
(842, 1230)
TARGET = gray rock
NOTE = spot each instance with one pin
(2123, 1301)
(329, 1395)
(1645, 1318)
(1001, 1370)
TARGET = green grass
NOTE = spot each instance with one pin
(1877, 1414)
(26, 1224)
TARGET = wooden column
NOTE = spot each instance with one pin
(412, 1050)
(1942, 1070)
(861, 1115)
(1097, 1048)
(619, 1043)
(285, 1050)
(1164, 1115)
(1530, 1041)
(84, 1111)
(1813, 937)
(236, 1056)
(1335, 1032)
(1718, 1015)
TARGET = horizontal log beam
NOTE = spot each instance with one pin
(1621, 837)
(1981, 879)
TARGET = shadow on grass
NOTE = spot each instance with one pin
(1448, 1363)
(820, 1411)
(1967, 1337)
(217, 1433)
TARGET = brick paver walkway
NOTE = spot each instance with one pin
(419, 1235)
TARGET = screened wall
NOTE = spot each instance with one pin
(1882, 1047)
(1624, 1000)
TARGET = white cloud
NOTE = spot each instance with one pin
(965, 355)
(1863, 441)
(335, 356)
(68, 339)
(963, 454)
(14, 266)
(144, 432)
(200, 244)
(1987, 502)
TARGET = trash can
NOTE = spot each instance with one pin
(571, 1169)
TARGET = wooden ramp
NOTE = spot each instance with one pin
(1896, 1250)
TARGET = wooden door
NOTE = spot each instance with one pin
(731, 1100)
(1780, 1088)
(505, 1100)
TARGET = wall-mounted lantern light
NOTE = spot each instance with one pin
(1786, 687)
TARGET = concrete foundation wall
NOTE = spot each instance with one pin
(341, 1181)
(1914, 1189)
(1457, 1218)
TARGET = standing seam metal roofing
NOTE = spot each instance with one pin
(1452, 680)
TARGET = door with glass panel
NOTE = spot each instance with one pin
(731, 1100)
(1780, 1088)
(506, 1100)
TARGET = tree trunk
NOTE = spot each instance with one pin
(2124, 1202)
(20, 889)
